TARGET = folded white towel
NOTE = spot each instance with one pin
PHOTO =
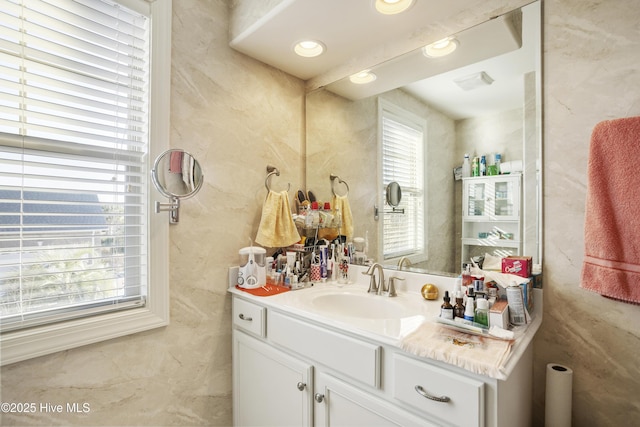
(475, 353)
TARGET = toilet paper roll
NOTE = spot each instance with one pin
(558, 396)
(514, 166)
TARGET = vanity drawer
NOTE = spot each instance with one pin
(249, 317)
(412, 380)
(349, 356)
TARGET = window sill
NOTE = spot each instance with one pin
(26, 344)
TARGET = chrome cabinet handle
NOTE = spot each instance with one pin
(301, 386)
(248, 319)
(423, 393)
(318, 397)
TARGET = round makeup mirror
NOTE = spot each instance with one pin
(177, 175)
(394, 194)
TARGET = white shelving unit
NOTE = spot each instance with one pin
(491, 216)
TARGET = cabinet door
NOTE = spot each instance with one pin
(338, 404)
(474, 203)
(505, 198)
(270, 388)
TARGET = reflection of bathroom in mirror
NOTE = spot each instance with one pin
(500, 117)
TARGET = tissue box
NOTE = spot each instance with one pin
(518, 265)
(499, 314)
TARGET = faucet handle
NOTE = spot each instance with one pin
(392, 286)
(373, 286)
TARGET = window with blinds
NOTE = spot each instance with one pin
(402, 142)
(74, 78)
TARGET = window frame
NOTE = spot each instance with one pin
(407, 118)
(38, 341)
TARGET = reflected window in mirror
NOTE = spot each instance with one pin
(402, 139)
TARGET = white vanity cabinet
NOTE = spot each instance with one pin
(275, 386)
(292, 370)
(491, 214)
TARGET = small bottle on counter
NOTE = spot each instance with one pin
(469, 312)
(446, 309)
(471, 298)
(458, 309)
(483, 166)
(482, 312)
(475, 167)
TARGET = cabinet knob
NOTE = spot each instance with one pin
(301, 386)
(423, 393)
(318, 397)
(242, 316)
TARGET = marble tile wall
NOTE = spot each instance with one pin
(236, 115)
(591, 73)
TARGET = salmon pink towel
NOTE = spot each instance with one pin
(611, 264)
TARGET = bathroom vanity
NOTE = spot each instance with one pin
(329, 355)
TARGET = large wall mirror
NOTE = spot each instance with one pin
(502, 115)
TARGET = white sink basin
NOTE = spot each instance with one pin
(365, 306)
(386, 317)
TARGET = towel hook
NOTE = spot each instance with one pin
(272, 170)
(333, 177)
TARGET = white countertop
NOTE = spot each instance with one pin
(385, 330)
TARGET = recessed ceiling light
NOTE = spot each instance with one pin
(309, 48)
(391, 7)
(363, 77)
(440, 48)
(474, 81)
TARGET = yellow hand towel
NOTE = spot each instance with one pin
(342, 203)
(277, 229)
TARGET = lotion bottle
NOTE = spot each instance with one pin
(469, 314)
(482, 312)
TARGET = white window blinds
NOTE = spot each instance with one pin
(74, 79)
(402, 162)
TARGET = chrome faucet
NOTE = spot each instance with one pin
(402, 261)
(374, 287)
